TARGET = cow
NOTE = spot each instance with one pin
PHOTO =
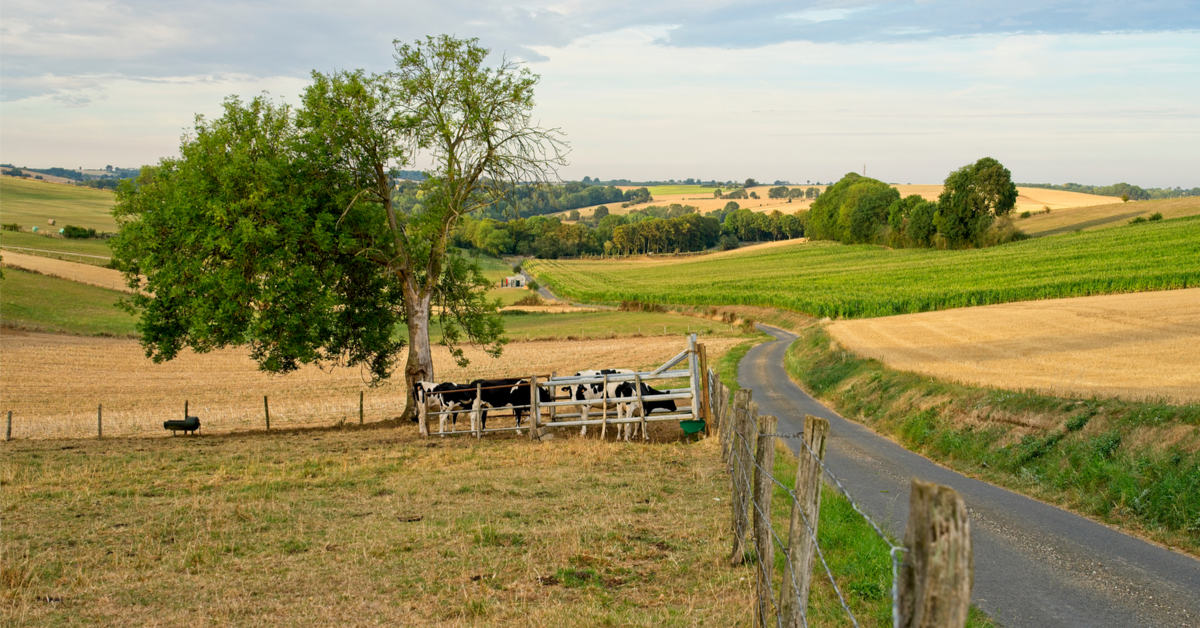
(592, 393)
(444, 397)
(503, 393)
(628, 405)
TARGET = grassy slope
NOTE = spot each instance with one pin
(64, 249)
(829, 279)
(33, 301)
(1129, 463)
(31, 203)
(1105, 216)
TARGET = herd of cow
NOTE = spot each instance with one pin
(451, 399)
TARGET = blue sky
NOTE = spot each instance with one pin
(1091, 92)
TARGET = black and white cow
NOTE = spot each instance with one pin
(593, 393)
(628, 405)
(504, 393)
(444, 397)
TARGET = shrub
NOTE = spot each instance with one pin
(532, 298)
(1156, 216)
(1026, 214)
(728, 243)
(71, 231)
(11, 226)
(1139, 219)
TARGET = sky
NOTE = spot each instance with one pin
(1058, 91)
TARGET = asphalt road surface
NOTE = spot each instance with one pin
(1036, 565)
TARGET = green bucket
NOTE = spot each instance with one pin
(692, 427)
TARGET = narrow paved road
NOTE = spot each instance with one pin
(1035, 565)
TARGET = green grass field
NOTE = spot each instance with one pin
(830, 279)
(38, 302)
(31, 203)
(63, 248)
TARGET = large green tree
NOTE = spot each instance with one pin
(280, 229)
(972, 198)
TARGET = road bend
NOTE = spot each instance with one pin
(1035, 565)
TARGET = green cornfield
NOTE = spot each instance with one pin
(835, 280)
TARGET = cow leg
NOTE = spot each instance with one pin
(583, 416)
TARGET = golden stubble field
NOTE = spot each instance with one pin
(54, 383)
(1134, 346)
(71, 271)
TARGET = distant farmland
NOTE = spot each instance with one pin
(829, 279)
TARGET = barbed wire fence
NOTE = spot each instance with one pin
(932, 572)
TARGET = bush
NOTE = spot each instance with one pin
(71, 231)
(533, 298)
(728, 243)
(11, 226)
(533, 285)
(1156, 216)
(1139, 219)
(1026, 214)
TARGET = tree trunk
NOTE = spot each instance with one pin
(419, 367)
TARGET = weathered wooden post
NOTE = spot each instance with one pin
(8, 427)
(705, 390)
(100, 421)
(423, 415)
(185, 409)
(694, 376)
(764, 489)
(534, 410)
(604, 409)
(266, 411)
(553, 395)
(360, 408)
(637, 382)
(477, 413)
(741, 456)
(939, 565)
(793, 598)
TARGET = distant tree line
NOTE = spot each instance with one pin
(654, 229)
(1134, 192)
(972, 211)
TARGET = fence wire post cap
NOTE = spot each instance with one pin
(939, 566)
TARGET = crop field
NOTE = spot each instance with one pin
(1031, 199)
(37, 302)
(80, 273)
(705, 202)
(1106, 216)
(1134, 346)
(32, 203)
(835, 280)
(53, 383)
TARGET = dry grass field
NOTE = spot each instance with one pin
(1103, 216)
(32, 203)
(53, 383)
(1133, 346)
(73, 271)
(367, 527)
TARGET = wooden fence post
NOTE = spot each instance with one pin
(694, 376)
(100, 421)
(534, 410)
(705, 391)
(423, 414)
(939, 565)
(553, 395)
(764, 490)
(476, 412)
(637, 382)
(793, 602)
(185, 409)
(266, 411)
(741, 456)
(8, 428)
(360, 407)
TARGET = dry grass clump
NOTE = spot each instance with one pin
(53, 383)
(1136, 346)
(369, 526)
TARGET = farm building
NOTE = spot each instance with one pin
(516, 281)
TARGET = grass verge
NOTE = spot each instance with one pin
(1133, 464)
(63, 248)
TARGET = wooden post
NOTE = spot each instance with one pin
(939, 565)
(741, 473)
(553, 395)
(422, 414)
(360, 407)
(764, 489)
(266, 412)
(604, 409)
(534, 410)
(8, 427)
(637, 381)
(705, 391)
(100, 421)
(793, 601)
(694, 376)
(185, 412)
(476, 412)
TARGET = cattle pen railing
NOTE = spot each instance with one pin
(931, 585)
(605, 409)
